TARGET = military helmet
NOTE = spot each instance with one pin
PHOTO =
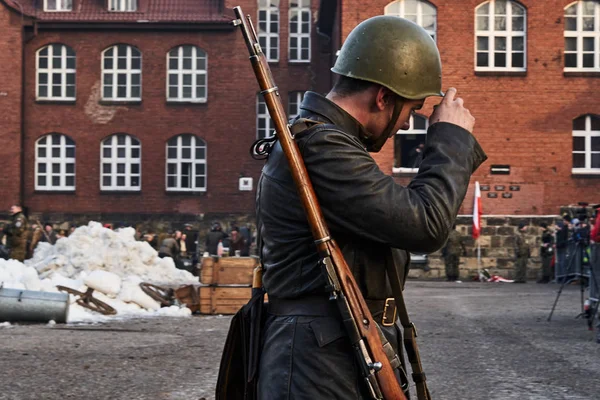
(393, 52)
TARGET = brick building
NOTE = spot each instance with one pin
(120, 108)
(139, 107)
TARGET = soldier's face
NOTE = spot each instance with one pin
(14, 210)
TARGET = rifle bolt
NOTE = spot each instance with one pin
(365, 321)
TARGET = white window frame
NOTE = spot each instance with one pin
(411, 131)
(61, 6)
(588, 134)
(507, 34)
(63, 53)
(195, 143)
(294, 101)
(303, 16)
(262, 115)
(398, 9)
(122, 5)
(271, 9)
(128, 71)
(197, 74)
(48, 161)
(580, 35)
(131, 144)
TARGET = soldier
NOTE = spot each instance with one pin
(546, 252)
(452, 252)
(522, 253)
(387, 67)
(17, 234)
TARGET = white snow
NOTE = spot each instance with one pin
(111, 262)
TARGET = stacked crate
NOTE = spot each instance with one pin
(226, 283)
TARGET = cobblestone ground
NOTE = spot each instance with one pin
(478, 341)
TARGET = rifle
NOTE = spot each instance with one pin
(362, 329)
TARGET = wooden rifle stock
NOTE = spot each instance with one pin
(363, 331)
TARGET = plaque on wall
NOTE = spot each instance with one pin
(507, 195)
(484, 188)
(499, 188)
(515, 188)
(492, 195)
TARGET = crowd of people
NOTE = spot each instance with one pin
(19, 238)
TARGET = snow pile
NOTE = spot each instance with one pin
(113, 263)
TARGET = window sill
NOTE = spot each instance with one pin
(185, 193)
(500, 73)
(298, 62)
(120, 102)
(120, 192)
(186, 103)
(586, 174)
(581, 74)
(50, 191)
(55, 101)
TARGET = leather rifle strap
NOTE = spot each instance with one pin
(409, 334)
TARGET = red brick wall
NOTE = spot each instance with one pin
(526, 121)
(10, 106)
(227, 122)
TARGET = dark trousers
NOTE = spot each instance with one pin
(308, 357)
(452, 261)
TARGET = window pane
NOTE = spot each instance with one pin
(588, 60)
(595, 123)
(500, 60)
(200, 180)
(500, 23)
(596, 144)
(70, 79)
(135, 168)
(106, 180)
(588, 23)
(200, 153)
(570, 44)
(71, 62)
(578, 143)
(578, 160)
(200, 169)
(121, 63)
(135, 152)
(518, 24)
(70, 152)
(500, 43)
(56, 152)
(500, 7)
(482, 43)
(579, 124)
(172, 169)
(136, 63)
(135, 181)
(42, 168)
(484, 9)
(43, 91)
(121, 92)
(186, 140)
(596, 160)
(517, 43)
(186, 152)
(173, 63)
(200, 92)
(135, 92)
(70, 181)
(56, 91)
(419, 122)
(56, 62)
(171, 182)
(187, 63)
(56, 168)
(121, 152)
(106, 168)
(41, 180)
(588, 44)
(120, 181)
(517, 60)
(482, 59)
(570, 24)
(43, 62)
(70, 168)
(172, 152)
(172, 92)
(41, 152)
(571, 60)
(55, 180)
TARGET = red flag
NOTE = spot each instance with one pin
(477, 212)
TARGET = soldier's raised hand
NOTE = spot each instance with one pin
(452, 110)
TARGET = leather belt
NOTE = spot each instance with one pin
(383, 311)
(313, 306)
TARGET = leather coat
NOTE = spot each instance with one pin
(374, 219)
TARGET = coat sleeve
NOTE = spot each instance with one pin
(356, 196)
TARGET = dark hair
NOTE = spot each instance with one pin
(48, 224)
(346, 86)
(544, 225)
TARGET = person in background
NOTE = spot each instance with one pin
(36, 236)
(546, 252)
(170, 247)
(452, 252)
(522, 253)
(237, 242)
(49, 235)
(562, 242)
(18, 234)
(183, 251)
(213, 238)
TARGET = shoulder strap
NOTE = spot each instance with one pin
(409, 335)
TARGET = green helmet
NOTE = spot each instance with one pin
(393, 52)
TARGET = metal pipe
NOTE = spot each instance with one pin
(18, 305)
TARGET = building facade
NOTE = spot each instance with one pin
(141, 106)
(144, 107)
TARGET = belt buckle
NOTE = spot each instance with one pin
(384, 320)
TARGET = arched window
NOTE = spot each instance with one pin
(299, 37)
(122, 73)
(501, 35)
(268, 28)
(187, 74)
(186, 164)
(582, 36)
(55, 163)
(55, 73)
(420, 12)
(265, 127)
(408, 151)
(121, 158)
(586, 144)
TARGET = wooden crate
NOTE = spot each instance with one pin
(223, 299)
(227, 270)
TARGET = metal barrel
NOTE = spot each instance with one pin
(18, 305)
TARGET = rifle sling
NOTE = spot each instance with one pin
(410, 333)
